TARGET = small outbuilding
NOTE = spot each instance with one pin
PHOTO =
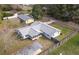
(26, 18)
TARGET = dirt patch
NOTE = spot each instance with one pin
(12, 43)
(46, 43)
(45, 19)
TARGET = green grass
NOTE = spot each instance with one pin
(69, 48)
(64, 30)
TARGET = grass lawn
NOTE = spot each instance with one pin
(69, 48)
(64, 30)
(11, 24)
(9, 43)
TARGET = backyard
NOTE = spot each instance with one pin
(69, 48)
(64, 30)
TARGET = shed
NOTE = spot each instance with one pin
(26, 18)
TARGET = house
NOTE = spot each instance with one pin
(36, 29)
(26, 18)
(33, 49)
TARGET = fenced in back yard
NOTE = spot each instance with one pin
(65, 30)
(72, 46)
(65, 39)
(69, 48)
(67, 33)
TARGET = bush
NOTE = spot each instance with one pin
(7, 14)
(6, 7)
(37, 12)
(1, 16)
(0, 21)
(18, 9)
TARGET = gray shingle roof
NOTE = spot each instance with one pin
(37, 29)
(24, 17)
(33, 32)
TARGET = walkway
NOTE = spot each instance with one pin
(49, 22)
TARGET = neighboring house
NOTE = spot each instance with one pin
(26, 18)
(33, 49)
(36, 29)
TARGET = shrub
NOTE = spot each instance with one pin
(7, 14)
(6, 7)
(37, 12)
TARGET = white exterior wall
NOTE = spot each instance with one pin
(29, 21)
(24, 37)
(47, 36)
(56, 34)
(37, 37)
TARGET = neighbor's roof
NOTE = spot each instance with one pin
(30, 49)
(24, 17)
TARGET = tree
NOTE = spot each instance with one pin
(64, 12)
(37, 12)
(6, 7)
(1, 16)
